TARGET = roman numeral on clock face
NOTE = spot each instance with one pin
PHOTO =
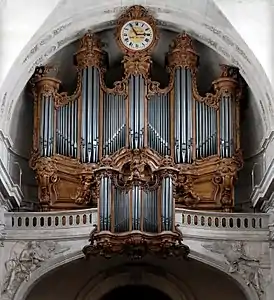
(136, 35)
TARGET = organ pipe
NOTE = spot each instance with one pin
(167, 204)
(159, 132)
(46, 89)
(90, 115)
(105, 203)
(114, 123)
(136, 111)
(183, 116)
(97, 125)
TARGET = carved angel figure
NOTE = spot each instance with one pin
(238, 261)
(23, 262)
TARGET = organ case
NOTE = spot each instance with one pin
(136, 150)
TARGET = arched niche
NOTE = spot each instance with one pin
(78, 279)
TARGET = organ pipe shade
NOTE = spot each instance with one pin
(114, 123)
(159, 134)
(67, 129)
(206, 130)
(121, 210)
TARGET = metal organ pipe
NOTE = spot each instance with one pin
(159, 123)
(136, 207)
(136, 111)
(114, 123)
(46, 125)
(90, 115)
(167, 204)
(105, 203)
(226, 126)
(206, 130)
(183, 116)
(121, 210)
(67, 129)
(150, 211)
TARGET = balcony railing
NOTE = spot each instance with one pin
(88, 217)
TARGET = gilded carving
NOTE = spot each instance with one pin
(136, 12)
(136, 245)
(182, 54)
(205, 182)
(90, 53)
(46, 175)
(137, 64)
(88, 192)
(185, 194)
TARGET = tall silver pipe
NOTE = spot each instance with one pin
(167, 203)
(206, 131)
(189, 114)
(83, 116)
(178, 126)
(183, 111)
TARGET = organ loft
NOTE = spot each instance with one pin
(138, 149)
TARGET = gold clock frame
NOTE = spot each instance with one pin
(136, 12)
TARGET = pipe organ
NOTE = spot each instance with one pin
(136, 150)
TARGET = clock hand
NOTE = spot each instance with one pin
(133, 29)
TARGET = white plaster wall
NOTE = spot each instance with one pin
(252, 19)
(20, 19)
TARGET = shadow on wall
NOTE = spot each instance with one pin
(254, 165)
(21, 134)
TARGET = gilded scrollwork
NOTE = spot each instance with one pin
(185, 194)
(46, 175)
(87, 193)
(136, 245)
(90, 53)
(137, 64)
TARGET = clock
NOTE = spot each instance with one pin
(137, 35)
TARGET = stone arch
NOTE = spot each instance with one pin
(96, 290)
(24, 289)
(65, 24)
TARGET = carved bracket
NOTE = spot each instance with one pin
(136, 245)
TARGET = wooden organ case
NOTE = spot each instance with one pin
(136, 150)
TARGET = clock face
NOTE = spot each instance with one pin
(137, 35)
